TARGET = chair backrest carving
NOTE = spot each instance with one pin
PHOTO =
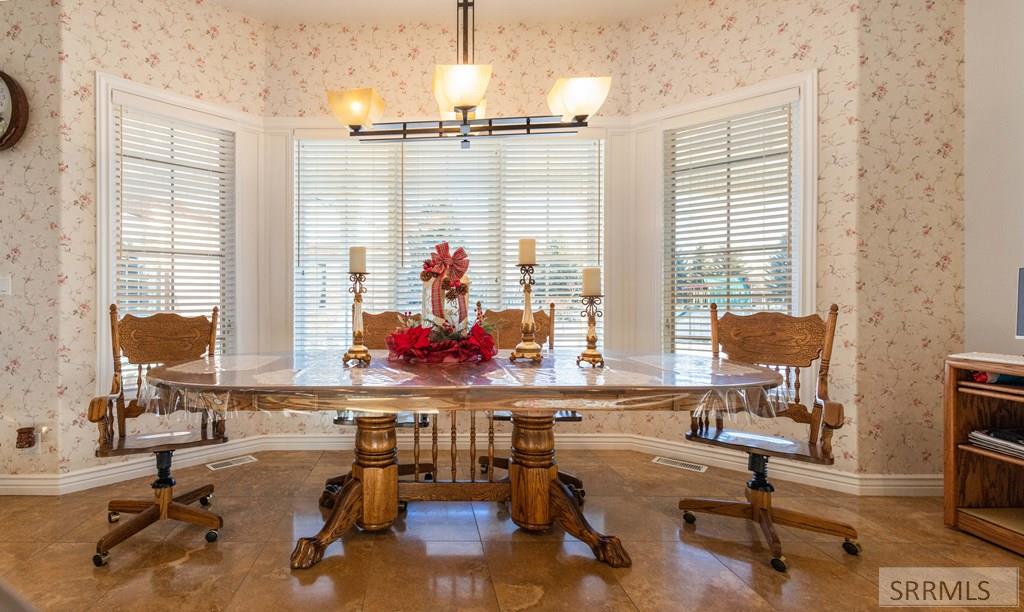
(164, 337)
(378, 326)
(786, 344)
(508, 326)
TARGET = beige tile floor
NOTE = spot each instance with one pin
(468, 556)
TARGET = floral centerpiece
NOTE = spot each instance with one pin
(443, 333)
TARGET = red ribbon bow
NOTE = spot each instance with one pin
(447, 265)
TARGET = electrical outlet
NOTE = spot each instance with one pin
(5, 284)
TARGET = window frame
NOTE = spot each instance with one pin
(112, 92)
(765, 95)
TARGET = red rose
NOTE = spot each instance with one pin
(481, 340)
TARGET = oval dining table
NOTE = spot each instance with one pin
(369, 496)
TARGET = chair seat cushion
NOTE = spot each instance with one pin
(760, 444)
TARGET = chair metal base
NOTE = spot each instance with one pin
(758, 508)
(165, 505)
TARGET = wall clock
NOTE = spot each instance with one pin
(13, 112)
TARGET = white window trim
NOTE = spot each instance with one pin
(248, 132)
(640, 284)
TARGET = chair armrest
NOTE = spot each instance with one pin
(832, 413)
(101, 406)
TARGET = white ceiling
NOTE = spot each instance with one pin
(442, 11)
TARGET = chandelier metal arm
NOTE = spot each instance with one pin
(418, 130)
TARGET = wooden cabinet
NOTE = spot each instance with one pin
(984, 490)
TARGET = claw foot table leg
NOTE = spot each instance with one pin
(348, 508)
(368, 497)
(539, 496)
(566, 509)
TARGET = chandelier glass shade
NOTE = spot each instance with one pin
(577, 97)
(356, 108)
(461, 86)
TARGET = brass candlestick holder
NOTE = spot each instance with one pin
(527, 347)
(358, 352)
(591, 311)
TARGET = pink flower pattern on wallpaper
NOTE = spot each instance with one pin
(890, 210)
(29, 229)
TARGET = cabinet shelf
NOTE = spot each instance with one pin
(984, 452)
(1010, 393)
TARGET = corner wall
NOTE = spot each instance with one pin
(910, 231)
(30, 239)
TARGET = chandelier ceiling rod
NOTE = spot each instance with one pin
(465, 20)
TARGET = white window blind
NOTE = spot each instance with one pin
(400, 200)
(553, 191)
(175, 188)
(343, 199)
(730, 222)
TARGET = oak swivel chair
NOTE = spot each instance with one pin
(159, 339)
(785, 344)
(507, 332)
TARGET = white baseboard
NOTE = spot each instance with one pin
(792, 471)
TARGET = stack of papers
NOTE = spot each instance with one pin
(1005, 441)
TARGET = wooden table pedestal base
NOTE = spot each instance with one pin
(368, 497)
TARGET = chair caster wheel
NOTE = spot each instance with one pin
(403, 506)
(206, 500)
(113, 517)
(689, 517)
(100, 559)
(212, 535)
(779, 564)
(852, 547)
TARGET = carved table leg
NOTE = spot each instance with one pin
(539, 495)
(369, 498)
(531, 468)
(568, 512)
(348, 508)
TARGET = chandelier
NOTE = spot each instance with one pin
(460, 91)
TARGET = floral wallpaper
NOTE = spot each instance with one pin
(890, 210)
(29, 235)
(910, 231)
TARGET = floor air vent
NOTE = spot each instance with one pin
(678, 463)
(232, 462)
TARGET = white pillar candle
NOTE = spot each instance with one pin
(357, 260)
(591, 281)
(527, 252)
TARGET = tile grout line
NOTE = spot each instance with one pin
(487, 562)
(248, 572)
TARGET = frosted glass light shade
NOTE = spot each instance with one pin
(462, 85)
(578, 96)
(360, 107)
